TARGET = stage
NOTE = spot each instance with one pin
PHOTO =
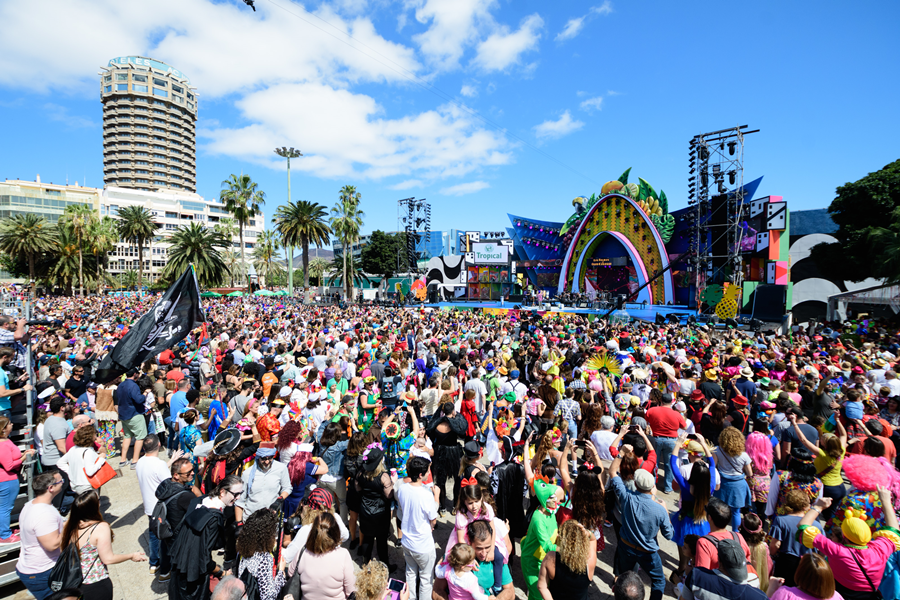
(640, 312)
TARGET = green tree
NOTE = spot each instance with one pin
(243, 199)
(381, 255)
(265, 253)
(317, 268)
(129, 280)
(69, 262)
(136, 226)
(303, 223)
(346, 223)
(339, 267)
(28, 235)
(860, 210)
(202, 247)
(77, 220)
(102, 238)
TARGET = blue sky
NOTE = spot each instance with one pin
(462, 101)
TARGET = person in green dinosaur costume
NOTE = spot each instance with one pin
(541, 536)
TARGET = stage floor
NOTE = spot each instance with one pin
(637, 311)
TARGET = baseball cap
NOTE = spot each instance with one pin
(644, 481)
(732, 560)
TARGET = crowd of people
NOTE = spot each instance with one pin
(301, 441)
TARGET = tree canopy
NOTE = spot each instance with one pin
(380, 256)
(867, 213)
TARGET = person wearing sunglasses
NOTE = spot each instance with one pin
(40, 528)
(265, 482)
(179, 493)
(202, 533)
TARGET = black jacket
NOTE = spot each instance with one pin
(191, 553)
(176, 509)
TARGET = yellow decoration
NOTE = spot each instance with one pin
(809, 536)
(891, 535)
(728, 306)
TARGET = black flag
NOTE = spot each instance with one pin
(173, 316)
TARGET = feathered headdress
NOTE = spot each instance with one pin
(604, 361)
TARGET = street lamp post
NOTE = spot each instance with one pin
(289, 153)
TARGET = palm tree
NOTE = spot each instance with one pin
(317, 268)
(102, 238)
(200, 246)
(231, 259)
(346, 221)
(264, 253)
(888, 239)
(68, 260)
(129, 279)
(77, 220)
(338, 268)
(136, 226)
(243, 199)
(30, 235)
(302, 223)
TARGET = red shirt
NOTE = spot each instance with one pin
(707, 555)
(268, 427)
(175, 375)
(665, 421)
(165, 357)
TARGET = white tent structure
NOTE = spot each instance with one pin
(883, 295)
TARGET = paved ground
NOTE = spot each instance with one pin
(122, 507)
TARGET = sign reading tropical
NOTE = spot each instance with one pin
(490, 254)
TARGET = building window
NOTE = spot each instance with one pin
(171, 226)
(121, 87)
(107, 89)
(107, 78)
(139, 88)
(121, 76)
(171, 215)
(178, 99)
(141, 78)
(160, 93)
(190, 96)
(160, 82)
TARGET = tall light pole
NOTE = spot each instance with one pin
(289, 153)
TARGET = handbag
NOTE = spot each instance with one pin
(292, 585)
(104, 474)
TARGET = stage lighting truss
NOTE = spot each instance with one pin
(713, 158)
(415, 215)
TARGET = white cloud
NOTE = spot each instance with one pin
(454, 26)
(469, 91)
(345, 134)
(592, 104)
(288, 79)
(406, 185)
(61, 114)
(502, 49)
(574, 26)
(465, 188)
(557, 129)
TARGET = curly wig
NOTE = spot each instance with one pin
(573, 543)
(866, 473)
(372, 581)
(731, 441)
(288, 434)
(759, 448)
(258, 533)
(801, 465)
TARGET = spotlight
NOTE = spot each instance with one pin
(756, 324)
(674, 318)
(731, 177)
(660, 319)
(731, 147)
(692, 320)
(731, 323)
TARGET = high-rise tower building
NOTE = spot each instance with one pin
(149, 115)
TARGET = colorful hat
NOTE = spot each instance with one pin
(855, 528)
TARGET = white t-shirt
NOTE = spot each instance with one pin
(419, 509)
(37, 520)
(602, 440)
(151, 471)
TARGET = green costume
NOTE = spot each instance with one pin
(540, 539)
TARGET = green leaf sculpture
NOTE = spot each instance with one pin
(712, 293)
(665, 225)
(624, 178)
(663, 202)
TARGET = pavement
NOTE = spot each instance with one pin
(123, 509)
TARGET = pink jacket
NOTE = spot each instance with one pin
(10, 460)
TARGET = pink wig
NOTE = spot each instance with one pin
(759, 448)
(867, 473)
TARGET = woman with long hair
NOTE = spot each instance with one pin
(734, 468)
(586, 501)
(93, 537)
(696, 490)
(304, 469)
(289, 439)
(712, 420)
(255, 544)
(326, 569)
(10, 464)
(376, 488)
(317, 502)
(569, 571)
(334, 448)
(445, 430)
(352, 467)
(759, 449)
(755, 536)
(827, 460)
(81, 461)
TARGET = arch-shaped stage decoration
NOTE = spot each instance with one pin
(622, 218)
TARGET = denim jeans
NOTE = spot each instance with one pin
(172, 442)
(627, 557)
(36, 583)
(664, 448)
(153, 542)
(8, 492)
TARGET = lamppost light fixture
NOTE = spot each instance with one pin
(285, 152)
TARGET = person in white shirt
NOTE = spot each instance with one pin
(151, 471)
(892, 382)
(480, 393)
(417, 509)
(514, 385)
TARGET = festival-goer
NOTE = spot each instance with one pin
(376, 488)
(734, 467)
(40, 529)
(696, 490)
(255, 545)
(326, 569)
(813, 579)
(11, 459)
(93, 536)
(568, 571)
(263, 483)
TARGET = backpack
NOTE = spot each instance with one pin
(159, 522)
(251, 585)
(387, 388)
(66, 573)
